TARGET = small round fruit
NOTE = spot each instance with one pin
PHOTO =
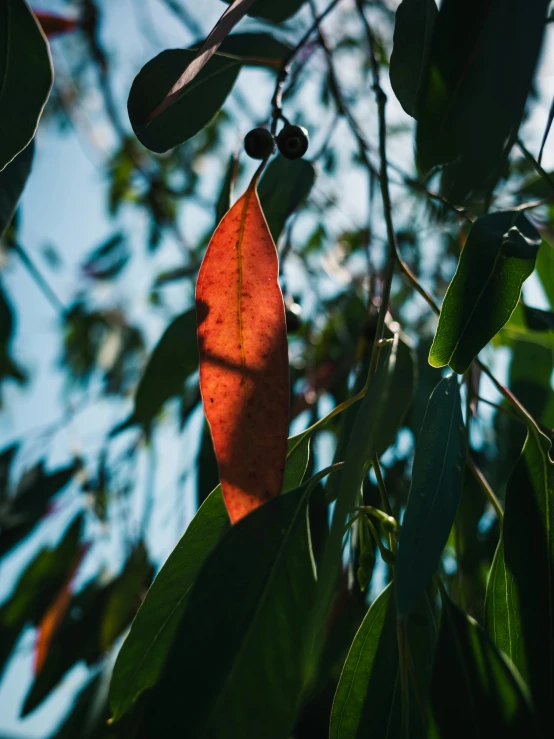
(259, 143)
(293, 142)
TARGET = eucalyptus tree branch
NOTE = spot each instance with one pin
(40, 280)
(277, 99)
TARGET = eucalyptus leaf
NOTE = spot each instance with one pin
(173, 360)
(499, 255)
(480, 72)
(474, 691)
(434, 494)
(26, 77)
(360, 448)
(264, 566)
(411, 44)
(520, 593)
(198, 103)
(284, 186)
(201, 99)
(368, 697)
(144, 652)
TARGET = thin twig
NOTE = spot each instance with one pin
(40, 280)
(538, 169)
(277, 99)
(485, 487)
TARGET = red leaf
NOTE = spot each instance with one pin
(53, 24)
(53, 617)
(242, 338)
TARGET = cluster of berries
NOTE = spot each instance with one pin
(292, 142)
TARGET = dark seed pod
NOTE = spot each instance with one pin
(259, 143)
(293, 142)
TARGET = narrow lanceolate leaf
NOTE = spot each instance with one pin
(242, 340)
(360, 448)
(480, 72)
(144, 652)
(173, 360)
(284, 186)
(12, 182)
(26, 77)
(246, 658)
(434, 494)
(53, 617)
(520, 593)
(499, 255)
(474, 691)
(412, 38)
(368, 698)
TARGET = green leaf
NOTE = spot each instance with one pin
(539, 320)
(26, 77)
(173, 360)
(258, 49)
(144, 651)
(499, 255)
(246, 657)
(23, 510)
(284, 186)
(12, 182)
(474, 692)
(412, 37)
(368, 698)
(434, 494)
(298, 455)
(481, 65)
(359, 452)
(519, 606)
(402, 389)
(194, 109)
(96, 616)
(37, 587)
(226, 194)
(276, 11)
(202, 98)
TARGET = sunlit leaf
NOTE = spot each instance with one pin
(499, 255)
(434, 494)
(474, 692)
(243, 356)
(519, 607)
(26, 77)
(412, 38)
